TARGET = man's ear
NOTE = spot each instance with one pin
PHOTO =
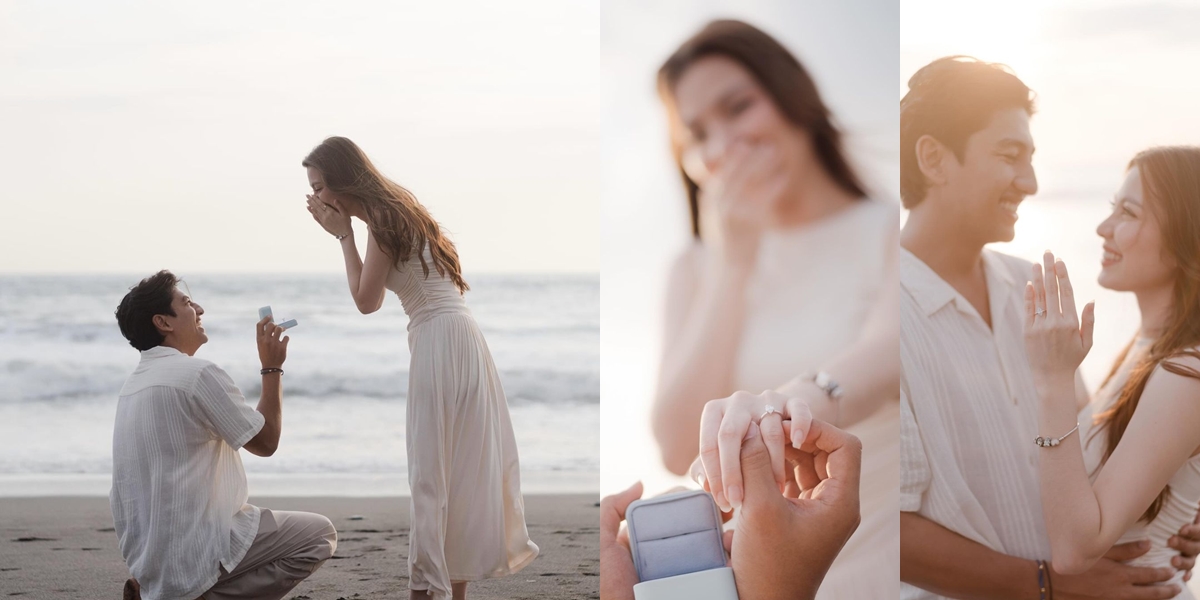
(931, 159)
(160, 321)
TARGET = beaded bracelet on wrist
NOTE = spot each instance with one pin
(1050, 442)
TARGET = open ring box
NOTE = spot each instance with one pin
(677, 549)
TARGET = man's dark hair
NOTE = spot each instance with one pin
(135, 315)
(950, 99)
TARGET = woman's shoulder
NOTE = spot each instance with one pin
(1184, 362)
(867, 219)
(1175, 376)
(413, 256)
(877, 212)
(688, 262)
(881, 207)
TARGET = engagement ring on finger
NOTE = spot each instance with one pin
(1039, 313)
(770, 411)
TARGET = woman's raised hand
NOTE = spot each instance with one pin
(330, 215)
(744, 191)
(1056, 340)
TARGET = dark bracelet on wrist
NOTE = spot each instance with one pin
(1043, 581)
(270, 370)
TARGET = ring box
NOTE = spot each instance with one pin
(676, 545)
(265, 312)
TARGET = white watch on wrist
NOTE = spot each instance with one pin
(826, 384)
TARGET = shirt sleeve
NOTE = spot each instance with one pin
(915, 474)
(222, 408)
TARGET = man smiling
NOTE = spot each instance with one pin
(179, 491)
(971, 522)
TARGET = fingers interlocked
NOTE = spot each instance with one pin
(724, 427)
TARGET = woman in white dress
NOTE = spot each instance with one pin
(790, 284)
(1131, 471)
(467, 515)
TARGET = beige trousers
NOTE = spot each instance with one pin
(289, 547)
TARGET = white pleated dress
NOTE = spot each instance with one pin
(467, 516)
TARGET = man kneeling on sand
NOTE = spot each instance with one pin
(179, 490)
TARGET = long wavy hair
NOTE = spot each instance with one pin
(785, 81)
(1171, 185)
(399, 223)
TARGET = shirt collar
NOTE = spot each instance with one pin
(925, 286)
(1002, 288)
(931, 292)
(159, 352)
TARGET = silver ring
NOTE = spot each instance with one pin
(770, 411)
(1040, 313)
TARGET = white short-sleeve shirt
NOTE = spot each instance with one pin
(179, 491)
(969, 411)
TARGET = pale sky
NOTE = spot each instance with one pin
(850, 48)
(1111, 76)
(136, 136)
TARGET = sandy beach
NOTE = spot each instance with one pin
(64, 547)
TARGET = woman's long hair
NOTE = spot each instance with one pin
(1171, 185)
(784, 79)
(399, 223)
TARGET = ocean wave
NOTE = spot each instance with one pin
(59, 340)
(106, 331)
(23, 380)
(535, 386)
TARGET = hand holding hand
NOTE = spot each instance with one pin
(724, 424)
(330, 216)
(1056, 342)
(1187, 542)
(783, 546)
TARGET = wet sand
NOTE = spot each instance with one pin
(65, 547)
